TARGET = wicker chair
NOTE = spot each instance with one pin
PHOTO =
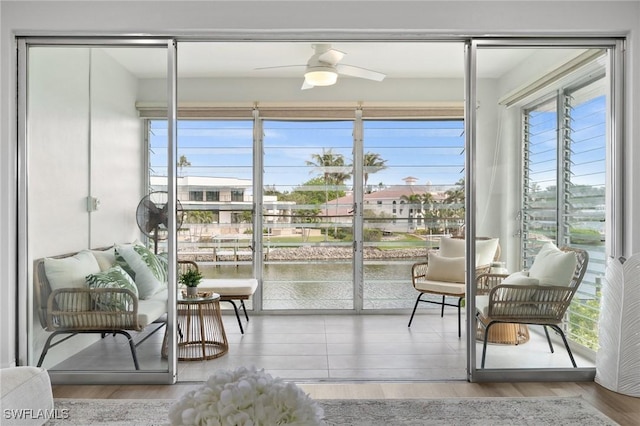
(543, 305)
(422, 283)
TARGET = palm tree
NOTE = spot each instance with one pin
(455, 195)
(373, 163)
(333, 170)
(332, 166)
(183, 162)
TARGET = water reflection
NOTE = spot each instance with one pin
(326, 285)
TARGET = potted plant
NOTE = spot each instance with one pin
(191, 279)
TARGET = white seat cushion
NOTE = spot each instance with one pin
(232, 287)
(152, 308)
(456, 289)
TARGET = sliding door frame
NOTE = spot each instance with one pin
(25, 292)
(615, 173)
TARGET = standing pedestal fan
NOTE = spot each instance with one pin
(152, 216)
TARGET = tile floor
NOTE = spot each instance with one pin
(335, 348)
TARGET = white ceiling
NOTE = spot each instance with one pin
(240, 59)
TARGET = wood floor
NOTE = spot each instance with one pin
(621, 408)
(285, 346)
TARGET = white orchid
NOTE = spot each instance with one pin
(245, 397)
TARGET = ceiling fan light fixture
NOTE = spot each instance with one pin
(321, 76)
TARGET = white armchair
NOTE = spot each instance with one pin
(443, 275)
(540, 297)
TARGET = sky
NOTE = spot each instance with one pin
(431, 151)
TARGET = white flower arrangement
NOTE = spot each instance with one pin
(246, 397)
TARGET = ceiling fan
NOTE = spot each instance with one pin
(323, 68)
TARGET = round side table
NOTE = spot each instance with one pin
(201, 334)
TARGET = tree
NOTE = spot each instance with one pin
(333, 170)
(312, 191)
(455, 195)
(332, 165)
(373, 163)
(182, 163)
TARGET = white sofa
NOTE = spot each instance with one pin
(26, 396)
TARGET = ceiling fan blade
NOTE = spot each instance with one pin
(306, 86)
(279, 66)
(331, 56)
(359, 72)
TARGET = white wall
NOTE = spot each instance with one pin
(302, 20)
(117, 152)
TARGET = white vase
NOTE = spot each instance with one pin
(192, 291)
(618, 358)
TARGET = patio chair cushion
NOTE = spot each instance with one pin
(231, 287)
(144, 267)
(114, 277)
(71, 272)
(455, 247)
(448, 269)
(553, 266)
(441, 287)
(520, 278)
(153, 308)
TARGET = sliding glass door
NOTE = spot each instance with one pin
(553, 131)
(91, 321)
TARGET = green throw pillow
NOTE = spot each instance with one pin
(114, 277)
(148, 272)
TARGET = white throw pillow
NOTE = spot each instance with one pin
(455, 247)
(144, 267)
(71, 272)
(448, 269)
(106, 258)
(452, 247)
(552, 266)
(486, 251)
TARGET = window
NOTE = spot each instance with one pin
(564, 189)
(195, 196)
(213, 195)
(237, 195)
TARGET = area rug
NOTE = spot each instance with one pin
(359, 412)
